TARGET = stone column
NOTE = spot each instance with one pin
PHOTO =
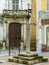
(7, 34)
(4, 36)
(28, 38)
(23, 34)
(22, 31)
(3, 45)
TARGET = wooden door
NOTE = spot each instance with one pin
(14, 35)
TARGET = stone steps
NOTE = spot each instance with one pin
(28, 55)
(28, 59)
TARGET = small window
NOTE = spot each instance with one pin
(13, 7)
(15, 4)
(13, 1)
(17, 1)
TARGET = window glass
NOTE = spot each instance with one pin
(16, 1)
(15, 4)
(16, 7)
(13, 1)
(13, 7)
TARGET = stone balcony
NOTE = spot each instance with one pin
(14, 13)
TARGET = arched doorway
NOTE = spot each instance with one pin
(14, 35)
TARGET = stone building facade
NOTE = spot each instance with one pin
(42, 33)
(21, 13)
(20, 4)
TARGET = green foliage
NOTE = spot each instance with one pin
(13, 15)
(5, 15)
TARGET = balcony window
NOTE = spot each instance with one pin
(16, 7)
(13, 1)
(13, 7)
(15, 4)
(17, 1)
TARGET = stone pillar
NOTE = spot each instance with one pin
(25, 35)
(22, 31)
(3, 45)
(4, 35)
(7, 35)
(28, 38)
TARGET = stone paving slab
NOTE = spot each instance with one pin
(45, 63)
(42, 63)
(5, 58)
(9, 63)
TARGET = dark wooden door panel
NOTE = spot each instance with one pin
(14, 34)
